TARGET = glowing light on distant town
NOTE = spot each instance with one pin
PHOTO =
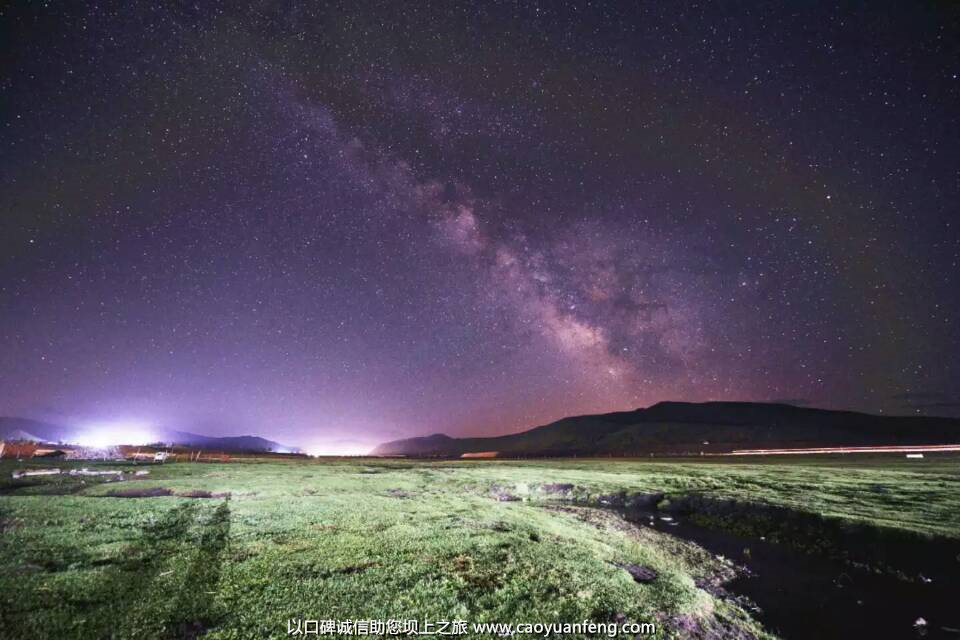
(113, 434)
(339, 448)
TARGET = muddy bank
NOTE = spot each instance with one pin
(799, 595)
(906, 554)
(803, 575)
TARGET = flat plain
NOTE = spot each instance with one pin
(237, 550)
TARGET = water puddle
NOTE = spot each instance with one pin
(801, 595)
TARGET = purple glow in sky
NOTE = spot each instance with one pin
(334, 224)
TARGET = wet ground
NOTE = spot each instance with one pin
(804, 596)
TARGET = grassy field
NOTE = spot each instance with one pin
(378, 539)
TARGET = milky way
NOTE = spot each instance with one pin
(334, 224)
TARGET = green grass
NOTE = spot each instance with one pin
(372, 539)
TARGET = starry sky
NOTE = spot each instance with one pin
(334, 224)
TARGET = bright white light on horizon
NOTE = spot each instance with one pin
(113, 434)
(339, 448)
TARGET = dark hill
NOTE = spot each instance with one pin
(425, 446)
(26, 429)
(225, 443)
(684, 427)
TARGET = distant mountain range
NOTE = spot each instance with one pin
(685, 428)
(35, 430)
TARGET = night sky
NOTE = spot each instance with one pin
(333, 224)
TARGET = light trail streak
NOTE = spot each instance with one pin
(920, 448)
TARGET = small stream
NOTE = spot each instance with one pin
(808, 596)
